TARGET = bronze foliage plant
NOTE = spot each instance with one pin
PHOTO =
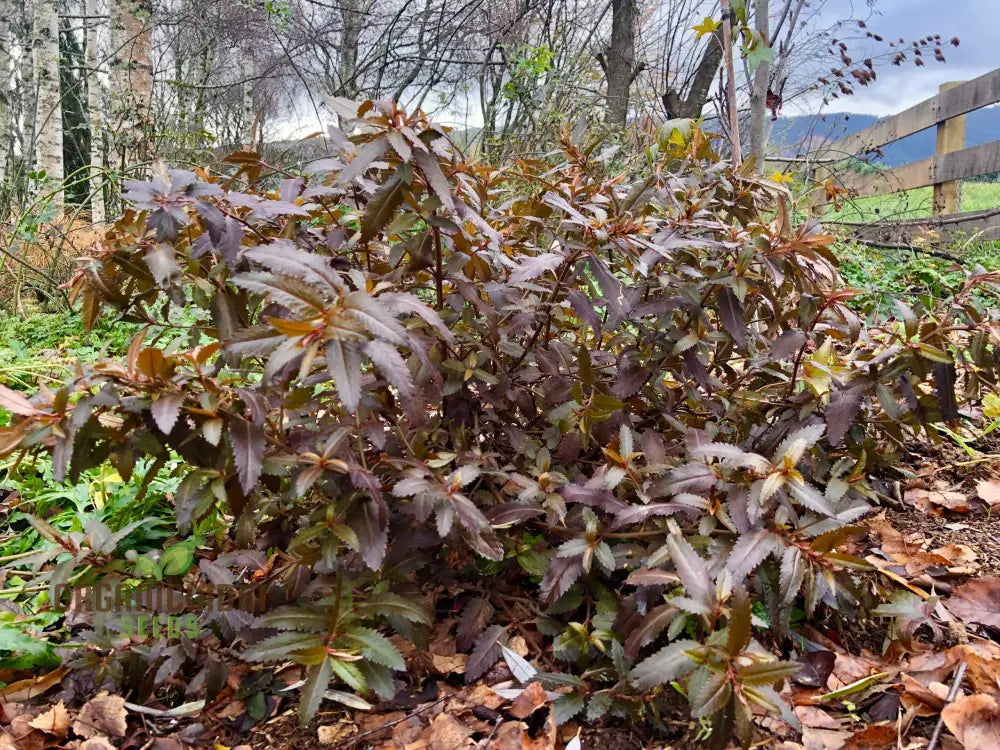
(628, 387)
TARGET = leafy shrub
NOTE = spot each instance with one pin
(632, 386)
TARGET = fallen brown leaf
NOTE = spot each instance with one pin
(96, 743)
(406, 733)
(23, 690)
(333, 734)
(448, 733)
(823, 739)
(988, 491)
(875, 737)
(103, 714)
(961, 558)
(982, 659)
(931, 501)
(920, 697)
(547, 737)
(974, 720)
(445, 665)
(509, 736)
(816, 718)
(532, 699)
(54, 721)
(977, 601)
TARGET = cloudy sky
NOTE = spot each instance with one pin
(974, 22)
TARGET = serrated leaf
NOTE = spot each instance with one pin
(349, 673)
(713, 695)
(649, 629)
(768, 672)
(387, 603)
(750, 551)
(669, 663)
(313, 690)
(382, 207)
(280, 646)
(793, 568)
(733, 317)
(392, 366)
(485, 654)
(739, 621)
(692, 571)
(165, 410)
(561, 573)
(294, 618)
(248, 451)
(377, 648)
(840, 414)
(344, 364)
(476, 615)
(566, 707)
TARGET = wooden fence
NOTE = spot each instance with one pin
(952, 162)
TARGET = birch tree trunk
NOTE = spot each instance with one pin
(49, 141)
(97, 208)
(758, 91)
(24, 110)
(6, 135)
(132, 76)
(247, 114)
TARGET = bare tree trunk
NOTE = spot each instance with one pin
(352, 12)
(98, 213)
(132, 75)
(247, 118)
(734, 115)
(691, 105)
(28, 94)
(620, 64)
(758, 92)
(49, 143)
(6, 137)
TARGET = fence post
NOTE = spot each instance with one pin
(950, 137)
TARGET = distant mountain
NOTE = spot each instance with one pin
(791, 134)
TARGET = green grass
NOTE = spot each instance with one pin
(915, 204)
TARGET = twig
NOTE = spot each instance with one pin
(355, 738)
(496, 726)
(936, 737)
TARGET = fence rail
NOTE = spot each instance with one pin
(952, 162)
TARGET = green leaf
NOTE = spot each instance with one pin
(312, 691)
(713, 695)
(280, 646)
(669, 663)
(295, 618)
(768, 672)
(349, 673)
(177, 560)
(386, 604)
(568, 706)
(377, 648)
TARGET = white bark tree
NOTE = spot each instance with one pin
(132, 77)
(6, 136)
(48, 121)
(95, 116)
